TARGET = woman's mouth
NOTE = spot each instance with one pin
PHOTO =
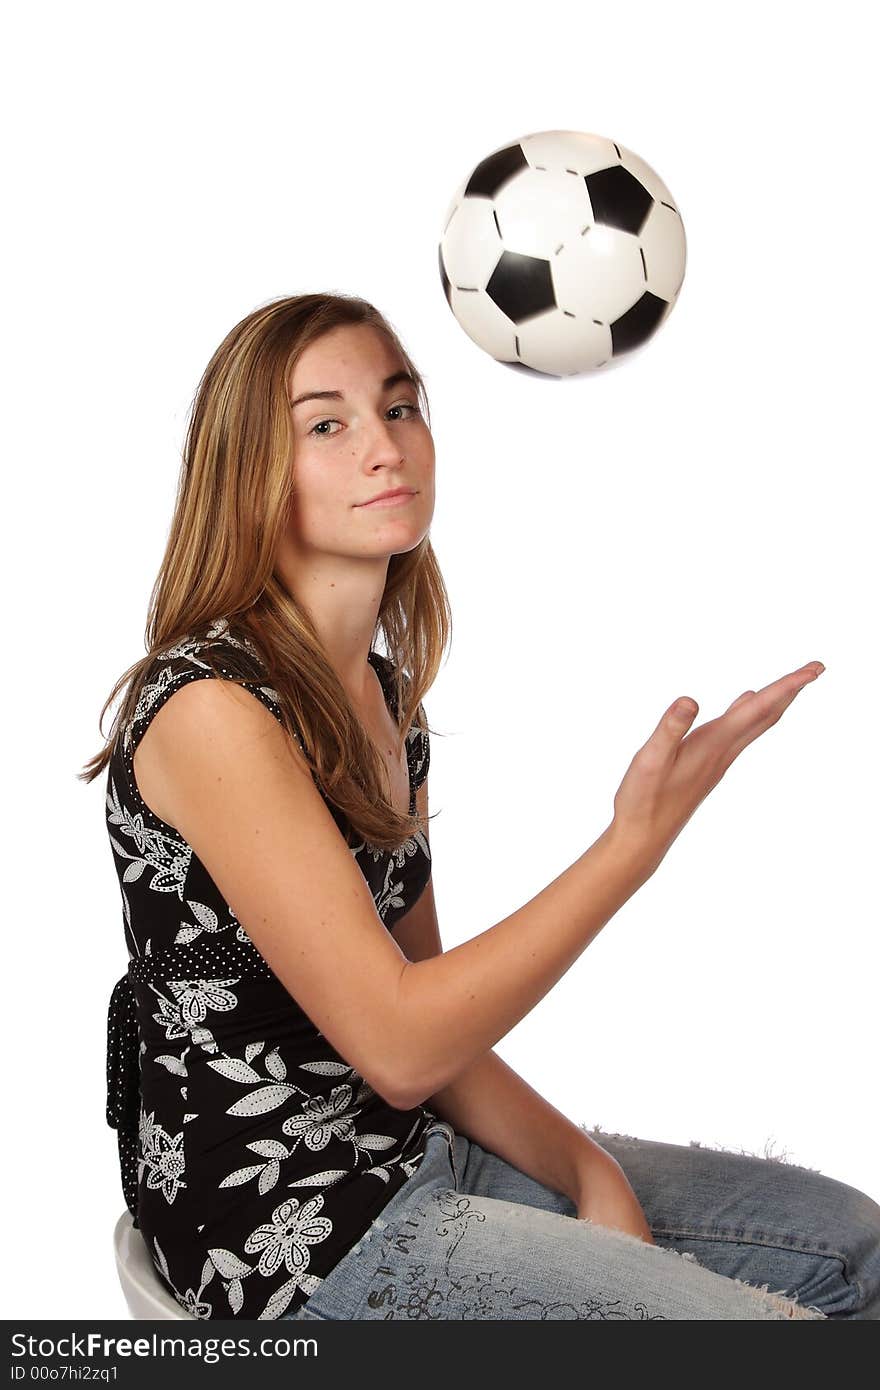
(397, 501)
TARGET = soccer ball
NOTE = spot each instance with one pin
(561, 252)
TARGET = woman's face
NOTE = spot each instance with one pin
(348, 450)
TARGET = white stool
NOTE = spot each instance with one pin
(145, 1295)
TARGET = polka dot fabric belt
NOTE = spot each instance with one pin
(197, 962)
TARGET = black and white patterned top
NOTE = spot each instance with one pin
(253, 1156)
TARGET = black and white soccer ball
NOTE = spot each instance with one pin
(561, 252)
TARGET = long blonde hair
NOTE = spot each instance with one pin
(230, 512)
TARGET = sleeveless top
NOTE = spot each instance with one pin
(253, 1156)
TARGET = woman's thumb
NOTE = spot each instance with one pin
(684, 711)
(674, 723)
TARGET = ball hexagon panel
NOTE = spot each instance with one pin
(471, 247)
(573, 150)
(554, 343)
(537, 200)
(604, 283)
(663, 251)
(483, 322)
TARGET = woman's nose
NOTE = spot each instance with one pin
(382, 443)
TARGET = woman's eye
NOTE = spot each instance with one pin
(404, 405)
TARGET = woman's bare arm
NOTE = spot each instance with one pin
(456, 1006)
(242, 795)
(459, 1004)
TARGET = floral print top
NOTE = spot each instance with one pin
(253, 1156)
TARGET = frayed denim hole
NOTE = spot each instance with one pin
(746, 1153)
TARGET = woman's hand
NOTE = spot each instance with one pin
(606, 1197)
(670, 775)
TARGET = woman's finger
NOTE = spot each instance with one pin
(748, 718)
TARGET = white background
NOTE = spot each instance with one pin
(697, 522)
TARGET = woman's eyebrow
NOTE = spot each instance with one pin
(338, 396)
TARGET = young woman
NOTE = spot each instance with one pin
(311, 1120)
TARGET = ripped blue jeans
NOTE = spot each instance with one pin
(468, 1236)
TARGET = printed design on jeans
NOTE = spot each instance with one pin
(458, 1212)
(486, 1295)
(409, 1288)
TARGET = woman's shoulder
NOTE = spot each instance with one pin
(217, 649)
